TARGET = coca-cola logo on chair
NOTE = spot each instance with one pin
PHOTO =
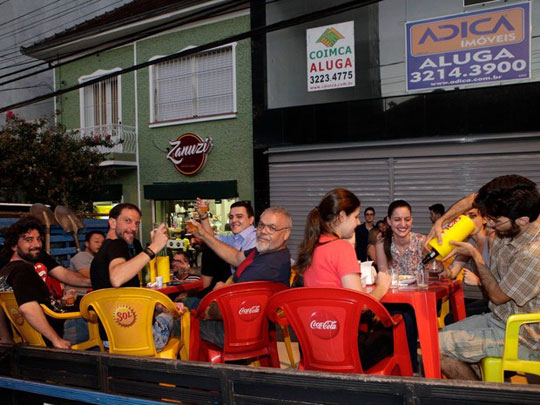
(249, 310)
(189, 153)
(324, 324)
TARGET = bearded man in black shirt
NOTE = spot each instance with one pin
(26, 274)
(116, 265)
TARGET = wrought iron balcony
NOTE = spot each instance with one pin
(124, 136)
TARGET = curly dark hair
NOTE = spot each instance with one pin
(14, 232)
(510, 196)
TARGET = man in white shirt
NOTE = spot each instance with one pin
(241, 219)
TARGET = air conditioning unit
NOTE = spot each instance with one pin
(175, 244)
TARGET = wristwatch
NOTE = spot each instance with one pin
(149, 252)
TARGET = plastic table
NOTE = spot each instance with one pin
(424, 303)
(185, 286)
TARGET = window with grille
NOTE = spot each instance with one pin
(196, 86)
(100, 102)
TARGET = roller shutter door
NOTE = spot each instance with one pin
(300, 186)
(298, 180)
(426, 181)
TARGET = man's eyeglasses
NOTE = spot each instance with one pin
(271, 229)
(496, 222)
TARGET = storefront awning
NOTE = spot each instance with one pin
(190, 191)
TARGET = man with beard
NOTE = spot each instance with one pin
(270, 260)
(512, 280)
(23, 245)
(116, 265)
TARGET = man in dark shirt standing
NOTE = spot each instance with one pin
(23, 245)
(213, 268)
(362, 232)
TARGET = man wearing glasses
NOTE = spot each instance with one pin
(362, 232)
(511, 282)
(269, 260)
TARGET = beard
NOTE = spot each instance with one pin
(124, 235)
(31, 256)
(266, 246)
(509, 233)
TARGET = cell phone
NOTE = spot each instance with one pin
(174, 283)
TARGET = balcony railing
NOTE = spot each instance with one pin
(126, 135)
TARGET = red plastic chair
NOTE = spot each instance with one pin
(247, 335)
(326, 322)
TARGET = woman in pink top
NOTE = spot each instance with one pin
(326, 257)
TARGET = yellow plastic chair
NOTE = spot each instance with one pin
(445, 305)
(32, 337)
(493, 368)
(127, 314)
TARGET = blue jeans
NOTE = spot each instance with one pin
(76, 330)
(162, 329)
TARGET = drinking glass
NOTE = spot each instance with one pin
(204, 207)
(395, 278)
(422, 276)
(191, 227)
(435, 267)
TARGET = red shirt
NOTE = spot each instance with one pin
(333, 259)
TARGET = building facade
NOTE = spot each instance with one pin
(183, 125)
(394, 131)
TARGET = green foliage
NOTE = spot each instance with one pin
(43, 162)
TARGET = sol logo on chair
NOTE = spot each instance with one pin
(249, 310)
(17, 317)
(124, 316)
(324, 324)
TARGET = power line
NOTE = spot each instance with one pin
(27, 14)
(44, 20)
(52, 17)
(193, 17)
(26, 87)
(234, 38)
